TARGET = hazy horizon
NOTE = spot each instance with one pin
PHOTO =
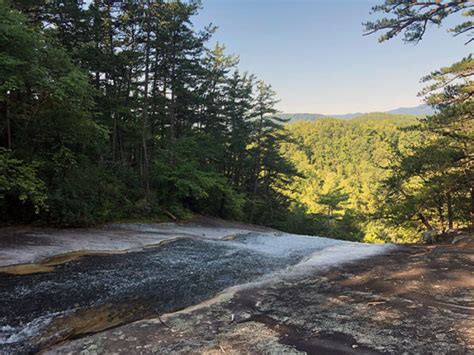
(348, 113)
(329, 66)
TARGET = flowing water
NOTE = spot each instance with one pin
(97, 292)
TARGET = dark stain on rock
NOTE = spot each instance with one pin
(328, 343)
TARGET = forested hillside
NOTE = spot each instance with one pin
(363, 179)
(119, 110)
(343, 164)
(114, 110)
(420, 111)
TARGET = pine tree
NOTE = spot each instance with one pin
(434, 183)
(239, 114)
(268, 166)
(163, 122)
(412, 18)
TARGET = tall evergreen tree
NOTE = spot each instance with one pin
(128, 94)
(434, 183)
(268, 166)
(239, 115)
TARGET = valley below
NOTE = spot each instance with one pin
(220, 287)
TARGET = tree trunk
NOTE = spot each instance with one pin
(425, 221)
(450, 211)
(256, 170)
(441, 214)
(9, 128)
(472, 205)
(145, 104)
(114, 138)
(172, 119)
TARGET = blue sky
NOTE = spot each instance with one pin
(314, 55)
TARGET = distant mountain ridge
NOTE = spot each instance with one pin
(420, 110)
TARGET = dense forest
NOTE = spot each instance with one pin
(343, 165)
(121, 110)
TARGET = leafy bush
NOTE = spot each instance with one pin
(20, 187)
(203, 191)
(87, 195)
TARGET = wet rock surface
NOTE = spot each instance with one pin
(95, 292)
(412, 300)
(24, 245)
(308, 295)
(139, 284)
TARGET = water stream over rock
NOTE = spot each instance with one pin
(96, 292)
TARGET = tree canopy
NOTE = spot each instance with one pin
(119, 109)
(412, 18)
(434, 181)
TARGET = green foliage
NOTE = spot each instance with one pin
(342, 164)
(412, 18)
(119, 110)
(202, 191)
(20, 185)
(432, 184)
(86, 195)
(333, 200)
(378, 231)
(270, 171)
